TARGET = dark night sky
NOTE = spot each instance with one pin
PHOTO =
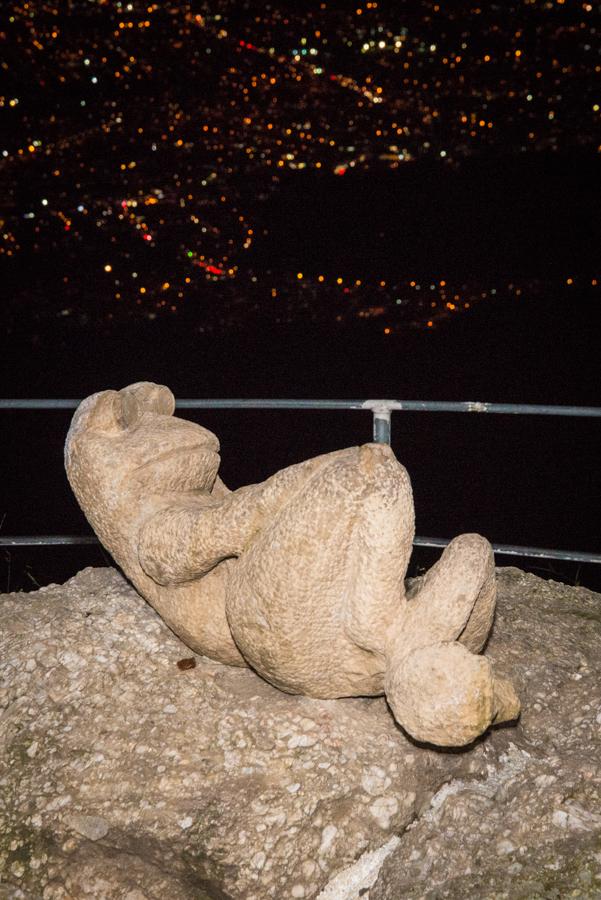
(368, 199)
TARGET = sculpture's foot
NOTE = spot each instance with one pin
(444, 695)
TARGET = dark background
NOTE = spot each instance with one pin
(507, 209)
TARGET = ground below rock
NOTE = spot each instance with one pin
(123, 775)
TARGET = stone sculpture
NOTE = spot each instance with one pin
(300, 577)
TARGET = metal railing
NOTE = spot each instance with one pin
(381, 411)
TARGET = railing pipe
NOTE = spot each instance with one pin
(55, 540)
(466, 406)
(381, 411)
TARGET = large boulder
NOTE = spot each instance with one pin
(126, 775)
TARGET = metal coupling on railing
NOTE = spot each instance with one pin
(382, 416)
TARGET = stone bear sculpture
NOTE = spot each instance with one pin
(300, 577)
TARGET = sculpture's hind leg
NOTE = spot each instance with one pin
(456, 598)
(437, 689)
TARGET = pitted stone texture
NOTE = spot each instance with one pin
(122, 776)
(300, 577)
(531, 828)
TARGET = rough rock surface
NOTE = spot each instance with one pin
(123, 775)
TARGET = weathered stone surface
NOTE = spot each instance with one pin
(122, 776)
(300, 577)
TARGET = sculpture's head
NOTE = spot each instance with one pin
(131, 439)
(442, 694)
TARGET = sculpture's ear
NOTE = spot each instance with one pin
(100, 412)
(148, 397)
(117, 410)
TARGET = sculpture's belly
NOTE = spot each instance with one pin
(316, 660)
(319, 585)
(296, 639)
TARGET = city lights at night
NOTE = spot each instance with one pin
(144, 144)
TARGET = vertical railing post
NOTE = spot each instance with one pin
(382, 425)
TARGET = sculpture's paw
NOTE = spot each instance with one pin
(444, 695)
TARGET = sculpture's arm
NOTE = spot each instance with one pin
(191, 536)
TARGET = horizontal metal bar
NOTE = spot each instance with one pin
(514, 550)
(269, 404)
(47, 540)
(474, 406)
(38, 404)
(465, 406)
(200, 404)
(500, 549)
